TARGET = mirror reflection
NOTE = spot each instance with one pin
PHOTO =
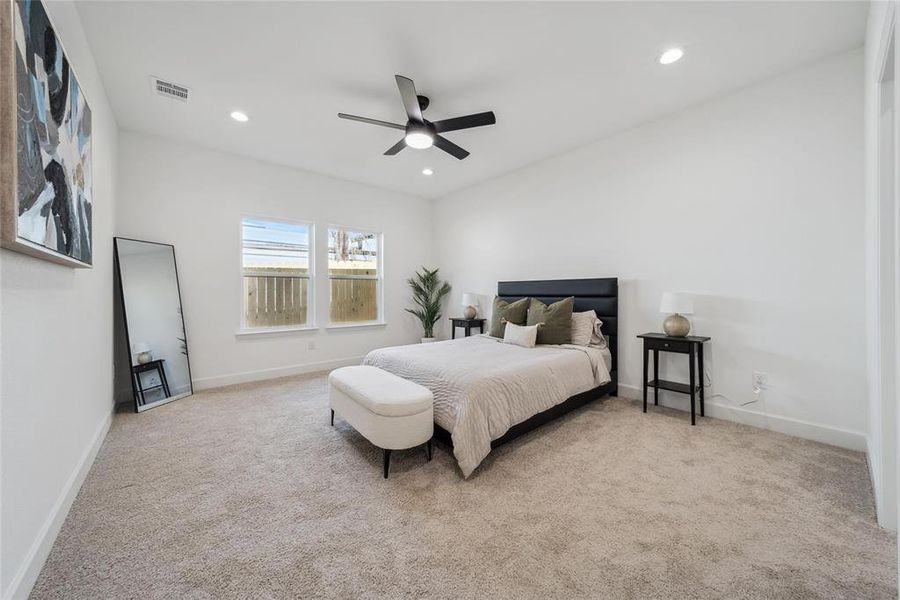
(154, 324)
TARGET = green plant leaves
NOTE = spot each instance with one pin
(428, 293)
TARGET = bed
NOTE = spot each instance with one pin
(487, 393)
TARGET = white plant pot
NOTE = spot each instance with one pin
(427, 340)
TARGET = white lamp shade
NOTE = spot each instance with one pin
(141, 347)
(676, 302)
(470, 299)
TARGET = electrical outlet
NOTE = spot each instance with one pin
(312, 344)
(760, 380)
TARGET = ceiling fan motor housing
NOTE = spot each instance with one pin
(426, 128)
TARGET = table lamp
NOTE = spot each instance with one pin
(470, 301)
(676, 304)
(142, 350)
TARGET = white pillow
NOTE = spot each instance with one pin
(598, 340)
(520, 335)
(583, 327)
(586, 330)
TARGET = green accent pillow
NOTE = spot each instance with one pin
(512, 312)
(557, 320)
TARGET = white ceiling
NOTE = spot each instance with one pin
(557, 75)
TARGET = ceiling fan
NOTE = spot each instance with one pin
(421, 133)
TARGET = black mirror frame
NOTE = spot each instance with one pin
(120, 290)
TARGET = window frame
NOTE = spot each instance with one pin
(310, 324)
(379, 278)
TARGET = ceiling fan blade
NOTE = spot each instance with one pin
(449, 147)
(396, 148)
(371, 121)
(466, 122)
(409, 97)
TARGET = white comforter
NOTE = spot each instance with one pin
(482, 387)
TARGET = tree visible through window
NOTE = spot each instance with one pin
(353, 270)
(276, 256)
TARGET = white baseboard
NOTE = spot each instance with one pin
(205, 383)
(834, 436)
(27, 575)
(872, 459)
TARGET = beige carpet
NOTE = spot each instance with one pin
(247, 492)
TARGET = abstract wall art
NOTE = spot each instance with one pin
(45, 138)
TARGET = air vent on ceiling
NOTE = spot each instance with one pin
(169, 89)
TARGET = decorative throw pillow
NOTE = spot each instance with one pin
(521, 335)
(507, 312)
(557, 320)
(583, 327)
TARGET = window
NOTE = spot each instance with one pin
(354, 271)
(276, 259)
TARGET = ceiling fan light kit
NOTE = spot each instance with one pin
(421, 133)
(418, 138)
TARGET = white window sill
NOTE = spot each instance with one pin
(271, 330)
(359, 325)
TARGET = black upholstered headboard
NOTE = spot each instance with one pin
(601, 295)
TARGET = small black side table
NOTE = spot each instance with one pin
(691, 345)
(468, 324)
(153, 365)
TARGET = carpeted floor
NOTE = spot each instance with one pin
(247, 492)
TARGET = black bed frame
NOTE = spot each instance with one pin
(601, 295)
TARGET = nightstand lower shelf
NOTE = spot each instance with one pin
(672, 386)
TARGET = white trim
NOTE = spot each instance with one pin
(874, 465)
(26, 576)
(884, 336)
(205, 383)
(271, 330)
(853, 440)
(358, 325)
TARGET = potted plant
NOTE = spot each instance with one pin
(428, 293)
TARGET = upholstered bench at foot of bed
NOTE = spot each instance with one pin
(389, 411)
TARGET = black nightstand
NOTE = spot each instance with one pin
(468, 324)
(691, 345)
(153, 365)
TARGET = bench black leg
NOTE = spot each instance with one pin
(332, 417)
(428, 450)
(387, 462)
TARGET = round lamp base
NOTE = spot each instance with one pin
(470, 312)
(676, 326)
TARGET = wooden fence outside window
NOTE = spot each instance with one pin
(273, 298)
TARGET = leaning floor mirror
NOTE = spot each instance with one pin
(151, 343)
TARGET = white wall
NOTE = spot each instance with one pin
(881, 277)
(195, 199)
(753, 202)
(56, 389)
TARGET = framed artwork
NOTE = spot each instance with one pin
(45, 129)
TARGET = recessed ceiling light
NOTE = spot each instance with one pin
(671, 55)
(427, 171)
(239, 116)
